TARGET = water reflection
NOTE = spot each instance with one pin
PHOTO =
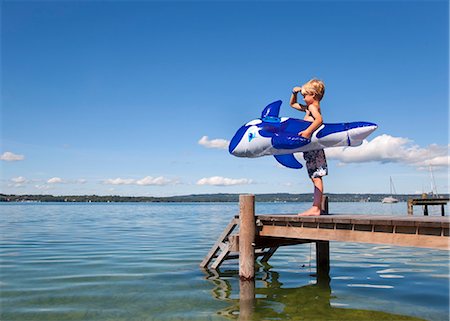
(271, 301)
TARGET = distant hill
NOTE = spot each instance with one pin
(275, 197)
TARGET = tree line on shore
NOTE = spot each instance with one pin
(221, 197)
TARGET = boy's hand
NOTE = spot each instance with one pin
(305, 134)
(296, 89)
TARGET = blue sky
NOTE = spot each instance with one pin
(115, 97)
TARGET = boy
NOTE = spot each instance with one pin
(316, 162)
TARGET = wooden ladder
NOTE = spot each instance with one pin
(227, 248)
(222, 245)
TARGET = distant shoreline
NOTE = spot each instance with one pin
(203, 198)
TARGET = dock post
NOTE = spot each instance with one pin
(410, 207)
(323, 254)
(247, 234)
(323, 262)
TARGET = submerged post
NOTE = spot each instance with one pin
(323, 254)
(246, 299)
(247, 233)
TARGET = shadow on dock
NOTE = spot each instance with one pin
(273, 301)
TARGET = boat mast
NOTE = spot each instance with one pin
(433, 184)
(392, 187)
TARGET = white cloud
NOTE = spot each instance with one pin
(214, 143)
(119, 181)
(223, 181)
(11, 157)
(148, 180)
(43, 187)
(55, 180)
(389, 149)
(19, 180)
(439, 161)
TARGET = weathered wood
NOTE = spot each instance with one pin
(265, 242)
(357, 236)
(216, 247)
(269, 254)
(355, 219)
(222, 256)
(247, 233)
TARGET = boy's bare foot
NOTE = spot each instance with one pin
(313, 211)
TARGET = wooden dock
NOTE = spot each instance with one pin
(427, 232)
(425, 202)
(262, 235)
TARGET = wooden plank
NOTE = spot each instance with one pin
(383, 228)
(234, 242)
(413, 240)
(379, 229)
(429, 231)
(326, 219)
(222, 256)
(362, 221)
(428, 224)
(341, 220)
(265, 242)
(345, 218)
(400, 222)
(429, 201)
(401, 229)
(269, 254)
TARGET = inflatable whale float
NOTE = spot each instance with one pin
(272, 135)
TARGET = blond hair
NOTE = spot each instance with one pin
(314, 87)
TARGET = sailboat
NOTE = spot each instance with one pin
(390, 199)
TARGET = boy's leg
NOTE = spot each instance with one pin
(315, 210)
(318, 192)
(317, 203)
(316, 164)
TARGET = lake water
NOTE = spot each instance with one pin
(139, 261)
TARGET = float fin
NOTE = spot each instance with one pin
(271, 111)
(288, 160)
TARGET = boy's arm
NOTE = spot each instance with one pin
(293, 102)
(315, 124)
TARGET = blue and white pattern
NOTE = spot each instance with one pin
(272, 135)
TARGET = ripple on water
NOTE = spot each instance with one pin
(140, 262)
